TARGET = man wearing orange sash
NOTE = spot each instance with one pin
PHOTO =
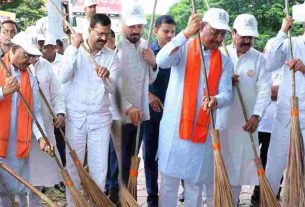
(16, 125)
(185, 146)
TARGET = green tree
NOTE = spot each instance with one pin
(27, 11)
(269, 14)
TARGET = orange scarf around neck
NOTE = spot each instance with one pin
(187, 130)
(24, 121)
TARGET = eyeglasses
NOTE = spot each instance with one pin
(218, 32)
(101, 34)
(29, 56)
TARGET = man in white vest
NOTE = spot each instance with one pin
(185, 146)
(255, 86)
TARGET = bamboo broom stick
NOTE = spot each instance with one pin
(28, 185)
(77, 199)
(295, 172)
(222, 189)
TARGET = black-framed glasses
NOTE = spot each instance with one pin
(101, 34)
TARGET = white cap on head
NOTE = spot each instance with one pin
(133, 14)
(49, 39)
(246, 25)
(217, 18)
(27, 42)
(298, 13)
(89, 3)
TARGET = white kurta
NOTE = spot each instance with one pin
(279, 142)
(179, 158)
(134, 86)
(255, 86)
(43, 168)
(19, 166)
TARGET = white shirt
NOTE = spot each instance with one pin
(87, 95)
(83, 28)
(137, 74)
(57, 63)
(276, 58)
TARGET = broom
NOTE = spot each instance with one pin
(222, 189)
(9, 194)
(89, 184)
(295, 175)
(267, 197)
(28, 185)
(135, 160)
(76, 197)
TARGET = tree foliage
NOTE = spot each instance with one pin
(27, 11)
(269, 14)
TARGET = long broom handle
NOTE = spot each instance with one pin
(28, 185)
(151, 26)
(203, 67)
(242, 103)
(290, 50)
(82, 44)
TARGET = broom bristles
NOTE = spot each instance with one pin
(267, 197)
(127, 200)
(96, 196)
(133, 176)
(77, 199)
(294, 185)
(15, 204)
(222, 190)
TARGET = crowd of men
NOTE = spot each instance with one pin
(162, 93)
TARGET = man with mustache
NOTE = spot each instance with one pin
(88, 119)
(10, 30)
(255, 85)
(16, 125)
(139, 69)
(185, 147)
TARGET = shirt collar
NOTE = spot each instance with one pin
(57, 58)
(155, 46)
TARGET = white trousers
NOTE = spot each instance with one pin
(20, 198)
(192, 192)
(278, 154)
(97, 141)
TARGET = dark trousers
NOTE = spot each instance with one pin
(129, 132)
(61, 146)
(150, 144)
(264, 141)
(112, 181)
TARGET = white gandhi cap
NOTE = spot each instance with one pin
(27, 42)
(133, 14)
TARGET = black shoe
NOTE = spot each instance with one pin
(60, 187)
(254, 202)
(152, 201)
(114, 197)
(181, 197)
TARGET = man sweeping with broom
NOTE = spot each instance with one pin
(16, 125)
(278, 56)
(87, 99)
(255, 85)
(185, 145)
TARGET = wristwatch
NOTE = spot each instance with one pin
(257, 117)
